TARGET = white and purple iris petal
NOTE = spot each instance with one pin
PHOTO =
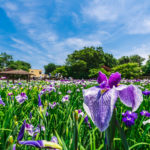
(41, 144)
(52, 145)
(65, 98)
(21, 98)
(29, 129)
(99, 102)
(1, 101)
(38, 144)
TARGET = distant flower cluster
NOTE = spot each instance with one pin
(129, 118)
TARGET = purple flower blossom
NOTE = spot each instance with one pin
(42, 128)
(39, 144)
(52, 105)
(9, 94)
(1, 101)
(145, 113)
(39, 101)
(99, 102)
(43, 91)
(78, 90)
(21, 98)
(21, 133)
(42, 144)
(65, 98)
(129, 121)
(46, 113)
(147, 93)
(69, 91)
(129, 118)
(86, 119)
(130, 114)
(29, 129)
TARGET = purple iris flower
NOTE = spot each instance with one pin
(1, 101)
(9, 94)
(130, 114)
(21, 133)
(21, 98)
(65, 98)
(42, 144)
(39, 101)
(43, 91)
(53, 144)
(69, 91)
(52, 105)
(147, 93)
(99, 101)
(129, 121)
(29, 129)
(86, 119)
(129, 117)
(145, 113)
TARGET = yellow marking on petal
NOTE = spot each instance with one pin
(51, 144)
(103, 91)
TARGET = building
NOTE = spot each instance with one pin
(37, 73)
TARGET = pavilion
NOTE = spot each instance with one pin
(13, 73)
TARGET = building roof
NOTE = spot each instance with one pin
(19, 72)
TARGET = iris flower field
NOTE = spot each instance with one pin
(53, 114)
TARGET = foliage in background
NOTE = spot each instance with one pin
(80, 62)
(129, 70)
(146, 67)
(6, 61)
(94, 72)
(62, 70)
(50, 68)
(131, 59)
(19, 65)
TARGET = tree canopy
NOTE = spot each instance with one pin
(6, 61)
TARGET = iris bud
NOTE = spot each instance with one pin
(76, 115)
(10, 139)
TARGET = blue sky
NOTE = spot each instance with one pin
(44, 31)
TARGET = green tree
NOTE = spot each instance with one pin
(49, 68)
(123, 60)
(110, 61)
(129, 70)
(80, 62)
(131, 59)
(62, 70)
(19, 65)
(146, 67)
(137, 59)
(92, 56)
(5, 60)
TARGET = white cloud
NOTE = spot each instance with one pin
(139, 26)
(11, 6)
(25, 47)
(132, 16)
(101, 10)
